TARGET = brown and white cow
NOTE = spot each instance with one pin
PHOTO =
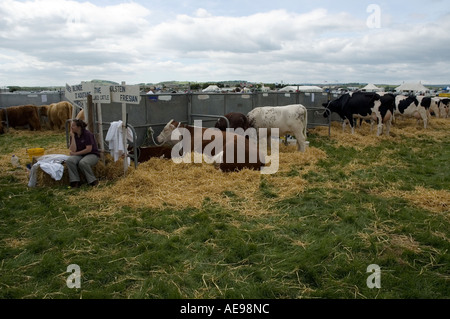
(233, 152)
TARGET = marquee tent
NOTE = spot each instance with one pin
(302, 88)
(212, 88)
(371, 88)
(411, 87)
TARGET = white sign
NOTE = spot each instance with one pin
(129, 94)
(77, 94)
(101, 94)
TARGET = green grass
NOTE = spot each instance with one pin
(315, 245)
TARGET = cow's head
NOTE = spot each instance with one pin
(165, 136)
(335, 105)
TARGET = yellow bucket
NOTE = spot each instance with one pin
(35, 152)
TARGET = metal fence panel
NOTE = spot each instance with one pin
(207, 104)
(266, 99)
(15, 99)
(163, 108)
(160, 109)
(156, 110)
(241, 103)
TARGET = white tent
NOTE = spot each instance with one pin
(212, 88)
(371, 88)
(302, 88)
(264, 88)
(411, 87)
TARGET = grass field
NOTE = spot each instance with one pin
(189, 231)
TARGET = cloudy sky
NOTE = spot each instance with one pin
(51, 42)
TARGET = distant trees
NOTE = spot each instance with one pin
(14, 88)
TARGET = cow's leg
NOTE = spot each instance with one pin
(379, 129)
(422, 114)
(380, 125)
(425, 120)
(388, 120)
(352, 124)
(388, 127)
(301, 140)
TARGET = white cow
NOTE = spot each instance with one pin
(291, 119)
(412, 106)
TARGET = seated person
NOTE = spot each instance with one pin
(84, 154)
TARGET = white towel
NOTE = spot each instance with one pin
(51, 164)
(114, 138)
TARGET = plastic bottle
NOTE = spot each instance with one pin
(15, 161)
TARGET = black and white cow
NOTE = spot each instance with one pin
(386, 111)
(362, 105)
(413, 106)
(444, 106)
(349, 104)
(434, 107)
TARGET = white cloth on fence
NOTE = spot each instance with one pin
(114, 137)
(51, 164)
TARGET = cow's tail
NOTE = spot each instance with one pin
(305, 120)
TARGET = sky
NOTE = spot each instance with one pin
(53, 42)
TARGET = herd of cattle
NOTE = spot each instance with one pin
(35, 117)
(379, 108)
(292, 119)
(382, 107)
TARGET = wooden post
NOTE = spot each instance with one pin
(124, 135)
(100, 132)
(90, 114)
(74, 109)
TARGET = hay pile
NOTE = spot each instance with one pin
(436, 201)
(401, 129)
(104, 171)
(109, 171)
(362, 138)
(161, 183)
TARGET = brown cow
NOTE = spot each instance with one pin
(235, 119)
(228, 141)
(43, 115)
(58, 114)
(80, 116)
(21, 116)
